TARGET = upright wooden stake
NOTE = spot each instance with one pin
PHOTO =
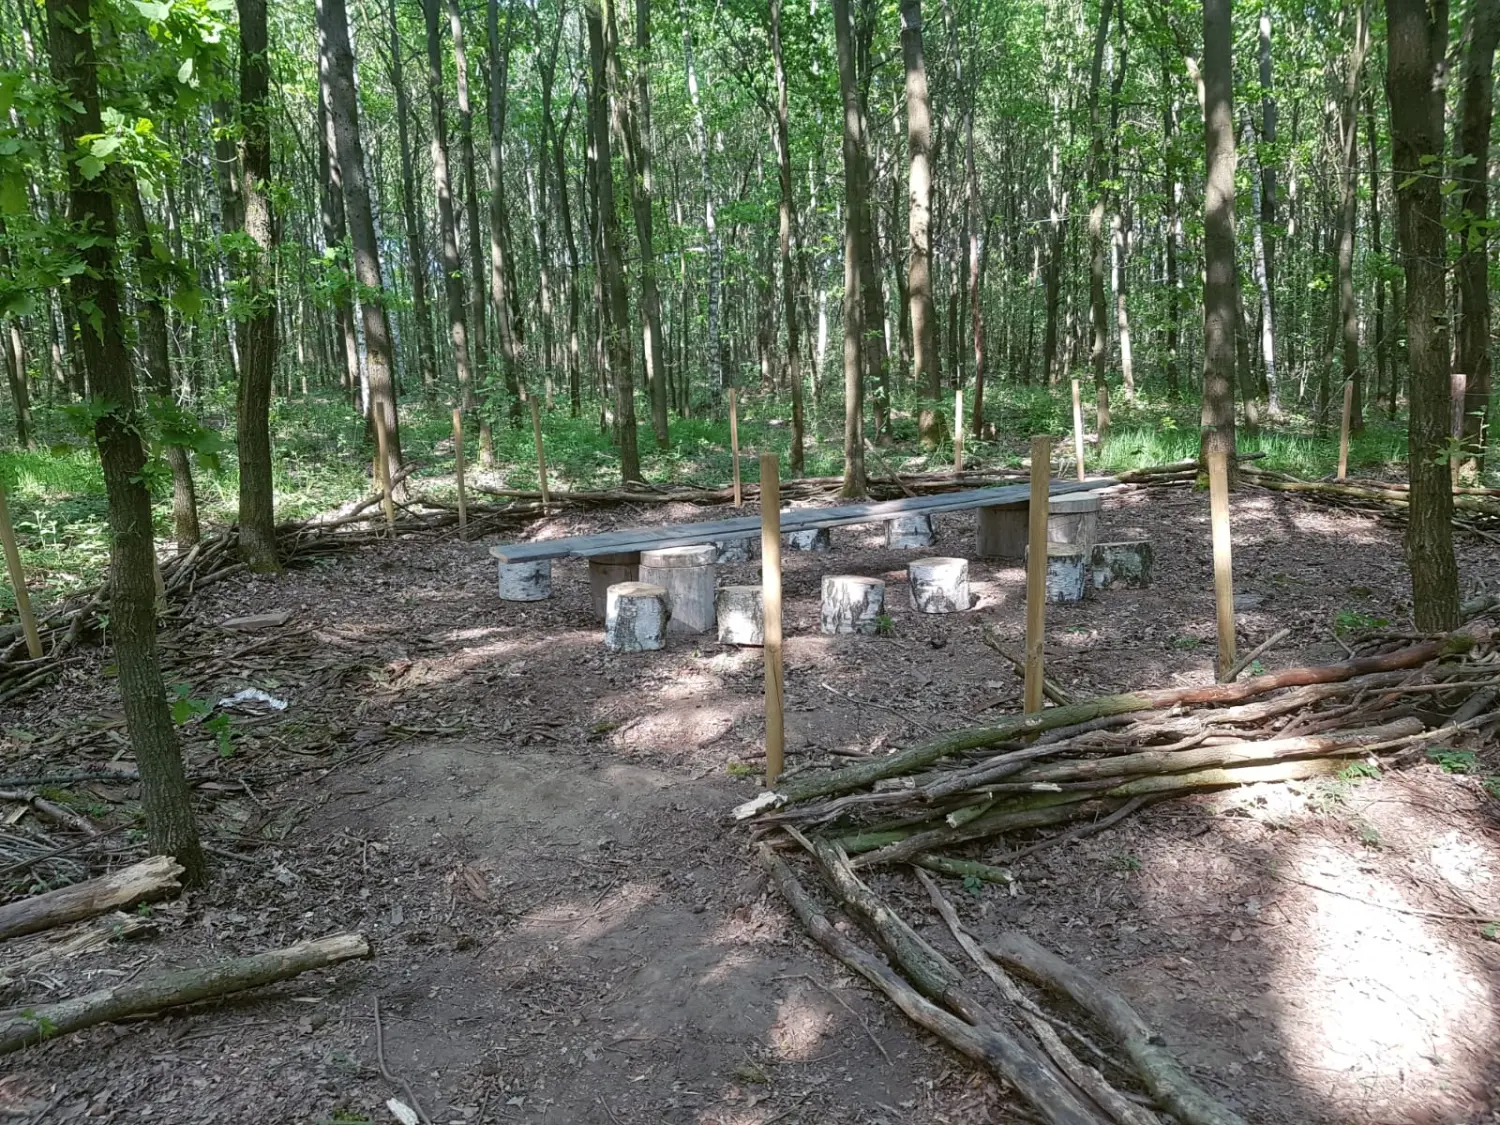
(1078, 429)
(1218, 500)
(541, 454)
(734, 444)
(770, 593)
(458, 472)
(958, 430)
(1344, 429)
(383, 469)
(18, 580)
(1036, 570)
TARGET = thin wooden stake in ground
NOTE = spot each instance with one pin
(383, 470)
(18, 579)
(958, 430)
(770, 592)
(458, 472)
(1036, 570)
(1218, 500)
(1078, 428)
(541, 454)
(1344, 424)
(734, 445)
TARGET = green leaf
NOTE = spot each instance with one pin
(156, 13)
(188, 300)
(185, 71)
(9, 84)
(104, 147)
(90, 166)
(12, 194)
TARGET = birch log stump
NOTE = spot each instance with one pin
(741, 614)
(939, 585)
(1126, 564)
(635, 617)
(852, 603)
(687, 575)
(906, 532)
(526, 581)
(1068, 573)
(818, 539)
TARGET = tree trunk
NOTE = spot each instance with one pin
(1471, 168)
(416, 250)
(343, 104)
(856, 225)
(335, 226)
(1220, 277)
(788, 238)
(258, 335)
(570, 244)
(925, 369)
(500, 282)
(453, 273)
(1348, 126)
(117, 433)
(469, 170)
(604, 43)
(1384, 383)
(1099, 349)
(15, 358)
(978, 250)
(716, 376)
(1416, 49)
(635, 130)
(1265, 251)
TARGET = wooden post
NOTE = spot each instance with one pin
(1218, 499)
(1036, 570)
(770, 594)
(18, 580)
(1344, 429)
(734, 444)
(458, 472)
(383, 469)
(541, 454)
(958, 430)
(1078, 429)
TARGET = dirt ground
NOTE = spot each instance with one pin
(533, 834)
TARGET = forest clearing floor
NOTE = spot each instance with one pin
(533, 834)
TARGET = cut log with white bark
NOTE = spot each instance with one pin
(852, 603)
(741, 615)
(146, 881)
(1068, 573)
(172, 989)
(526, 581)
(817, 539)
(687, 575)
(1126, 564)
(939, 585)
(740, 550)
(635, 617)
(1075, 519)
(906, 532)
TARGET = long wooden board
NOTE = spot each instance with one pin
(792, 519)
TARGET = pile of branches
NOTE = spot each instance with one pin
(1070, 771)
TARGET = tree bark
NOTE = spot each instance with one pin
(1348, 146)
(1384, 381)
(117, 433)
(1471, 169)
(416, 249)
(856, 225)
(1099, 348)
(788, 238)
(468, 169)
(343, 104)
(714, 338)
(1220, 276)
(925, 368)
(258, 331)
(1266, 229)
(1416, 78)
(604, 43)
(500, 279)
(335, 225)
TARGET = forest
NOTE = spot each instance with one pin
(297, 298)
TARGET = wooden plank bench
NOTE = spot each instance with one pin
(794, 519)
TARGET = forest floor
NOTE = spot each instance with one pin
(533, 834)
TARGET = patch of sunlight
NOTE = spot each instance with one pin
(1464, 863)
(1373, 994)
(734, 963)
(1363, 531)
(577, 922)
(800, 1026)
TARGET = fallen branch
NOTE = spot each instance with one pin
(146, 881)
(95, 934)
(170, 990)
(1255, 654)
(1050, 687)
(1166, 1080)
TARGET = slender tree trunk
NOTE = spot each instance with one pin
(856, 183)
(1220, 277)
(604, 43)
(122, 454)
(343, 104)
(1265, 230)
(1416, 50)
(416, 249)
(335, 226)
(1348, 126)
(923, 314)
(716, 375)
(787, 239)
(1383, 383)
(500, 297)
(258, 337)
(570, 244)
(469, 170)
(14, 347)
(1099, 350)
(453, 274)
(1471, 164)
(978, 249)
